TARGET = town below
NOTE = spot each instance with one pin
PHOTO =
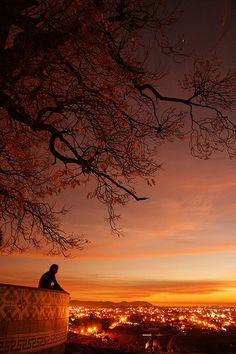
(130, 328)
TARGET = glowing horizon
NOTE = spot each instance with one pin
(179, 246)
(178, 249)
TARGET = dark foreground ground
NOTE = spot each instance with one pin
(75, 348)
(191, 344)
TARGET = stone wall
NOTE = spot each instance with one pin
(32, 319)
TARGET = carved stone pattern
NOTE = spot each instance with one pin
(19, 303)
(28, 343)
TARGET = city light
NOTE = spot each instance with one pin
(217, 318)
(144, 326)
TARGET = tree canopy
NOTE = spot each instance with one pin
(78, 103)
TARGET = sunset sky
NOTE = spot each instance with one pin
(179, 246)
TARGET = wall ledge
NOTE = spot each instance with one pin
(32, 319)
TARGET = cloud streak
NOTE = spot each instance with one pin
(121, 254)
(144, 289)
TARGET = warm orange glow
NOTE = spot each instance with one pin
(184, 254)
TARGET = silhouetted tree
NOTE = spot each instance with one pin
(78, 103)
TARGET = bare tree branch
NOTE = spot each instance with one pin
(77, 102)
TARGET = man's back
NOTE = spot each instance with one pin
(48, 278)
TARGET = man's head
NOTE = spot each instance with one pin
(54, 268)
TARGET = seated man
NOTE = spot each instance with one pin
(48, 278)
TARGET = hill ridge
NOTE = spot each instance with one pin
(110, 303)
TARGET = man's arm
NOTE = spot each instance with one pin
(56, 284)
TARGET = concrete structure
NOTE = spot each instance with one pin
(33, 320)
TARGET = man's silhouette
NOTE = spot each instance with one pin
(48, 278)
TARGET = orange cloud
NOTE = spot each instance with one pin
(120, 253)
(144, 289)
